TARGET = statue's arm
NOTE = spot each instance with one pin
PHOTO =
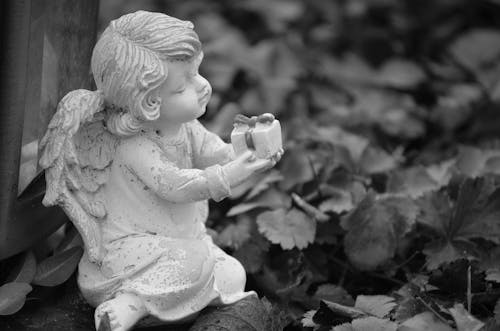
(146, 161)
(209, 148)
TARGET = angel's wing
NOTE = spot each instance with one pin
(77, 152)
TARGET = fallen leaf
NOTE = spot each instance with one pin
(376, 305)
(425, 321)
(24, 270)
(373, 324)
(56, 269)
(464, 320)
(12, 297)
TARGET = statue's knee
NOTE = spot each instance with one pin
(230, 274)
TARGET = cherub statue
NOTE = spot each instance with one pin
(133, 168)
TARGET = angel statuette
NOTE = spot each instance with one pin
(132, 167)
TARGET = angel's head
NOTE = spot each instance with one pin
(132, 62)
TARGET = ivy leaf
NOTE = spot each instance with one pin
(12, 297)
(24, 270)
(289, 229)
(464, 320)
(374, 229)
(56, 269)
(424, 321)
(376, 305)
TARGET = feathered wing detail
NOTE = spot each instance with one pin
(77, 152)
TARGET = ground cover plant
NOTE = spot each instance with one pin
(384, 213)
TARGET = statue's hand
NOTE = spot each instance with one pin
(246, 165)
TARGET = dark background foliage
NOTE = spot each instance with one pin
(384, 213)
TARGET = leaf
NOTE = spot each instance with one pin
(24, 270)
(490, 264)
(475, 215)
(12, 297)
(439, 253)
(307, 321)
(425, 321)
(327, 233)
(477, 50)
(376, 160)
(474, 162)
(373, 324)
(497, 312)
(343, 327)
(289, 229)
(374, 229)
(248, 314)
(273, 176)
(56, 269)
(414, 182)
(376, 305)
(333, 293)
(340, 203)
(242, 208)
(464, 320)
(400, 73)
(252, 253)
(235, 235)
(71, 239)
(367, 324)
(296, 168)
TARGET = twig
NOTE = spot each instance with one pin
(422, 301)
(312, 211)
(406, 261)
(382, 276)
(342, 310)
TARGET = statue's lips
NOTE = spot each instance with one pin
(204, 98)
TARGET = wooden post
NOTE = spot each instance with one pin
(45, 49)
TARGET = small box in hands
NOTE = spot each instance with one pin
(261, 134)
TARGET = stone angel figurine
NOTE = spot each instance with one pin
(133, 168)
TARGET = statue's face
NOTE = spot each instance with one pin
(185, 93)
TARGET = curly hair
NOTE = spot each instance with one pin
(127, 64)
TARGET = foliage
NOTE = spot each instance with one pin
(389, 188)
